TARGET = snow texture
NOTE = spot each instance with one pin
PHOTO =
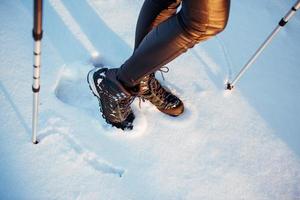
(240, 144)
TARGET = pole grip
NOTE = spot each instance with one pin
(37, 31)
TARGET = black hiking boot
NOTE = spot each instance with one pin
(166, 102)
(114, 99)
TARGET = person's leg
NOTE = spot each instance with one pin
(113, 98)
(197, 21)
(153, 12)
(149, 88)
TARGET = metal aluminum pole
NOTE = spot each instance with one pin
(281, 24)
(37, 36)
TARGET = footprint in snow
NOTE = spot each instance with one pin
(72, 89)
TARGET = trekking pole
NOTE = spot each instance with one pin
(281, 24)
(37, 34)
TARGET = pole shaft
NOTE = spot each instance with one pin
(282, 23)
(37, 33)
(36, 88)
(256, 54)
(35, 117)
(297, 5)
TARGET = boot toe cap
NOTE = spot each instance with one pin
(174, 112)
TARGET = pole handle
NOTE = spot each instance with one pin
(37, 31)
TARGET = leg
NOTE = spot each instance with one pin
(153, 12)
(197, 21)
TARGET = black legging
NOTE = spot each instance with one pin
(162, 34)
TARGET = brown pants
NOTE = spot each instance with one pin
(162, 34)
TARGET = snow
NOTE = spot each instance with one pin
(240, 144)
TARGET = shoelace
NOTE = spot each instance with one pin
(162, 70)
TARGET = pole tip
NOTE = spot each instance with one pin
(229, 86)
(35, 142)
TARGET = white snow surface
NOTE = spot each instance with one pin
(240, 144)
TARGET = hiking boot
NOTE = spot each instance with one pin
(114, 99)
(166, 102)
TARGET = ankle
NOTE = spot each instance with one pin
(133, 89)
